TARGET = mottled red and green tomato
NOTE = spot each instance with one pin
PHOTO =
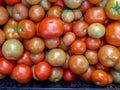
(56, 57)
(108, 55)
(45, 4)
(19, 12)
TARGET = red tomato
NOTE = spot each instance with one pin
(100, 78)
(68, 76)
(50, 27)
(12, 2)
(67, 27)
(78, 47)
(43, 70)
(25, 59)
(95, 15)
(6, 66)
(60, 3)
(22, 73)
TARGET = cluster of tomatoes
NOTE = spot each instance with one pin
(60, 39)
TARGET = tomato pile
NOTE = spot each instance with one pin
(60, 39)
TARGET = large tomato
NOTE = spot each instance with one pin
(112, 9)
(50, 27)
(112, 34)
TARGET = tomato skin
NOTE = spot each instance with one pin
(100, 78)
(22, 73)
(95, 1)
(12, 2)
(68, 76)
(60, 3)
(112, 33)
(26, 28)
(6, 66)
(25, 59)
(95, 15)
(50, 27)
(43, 70)
(78, 47)
(112, 9)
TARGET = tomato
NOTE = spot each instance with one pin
(25, 59)
(92, 57)
(110, 78)
(80, 28)
(56, 57)
(4, 15)
(36, 58)
(60, 3)
(95, 1)
(67, 15)
(78, 64)
(102, 67)
(93, 43)
(108, 55)
(116, 75)
(85, 6)
(56, 75)
(68, 26)
(68, 76)
(72, 4)
(12, 49)
(50, 27)
(33, 72)
(6, 66)
(100, 78)
(52, 0)
(26, 43)
(36, 45)
(10, 30)
(117, 66)
(36, 13)
(112, 9)
(22, 73)
(95, 15)
(43, 70)
(2, 35)
(45, 4)
(33, 2)
(54, 11)
(96, 30)
(65, 65)
(26, 28)
(87, 76)
(11, 2)
(19, 12)
(78, 47)
(77, 14)
(52, 42)
(112, 33)
(69, 38)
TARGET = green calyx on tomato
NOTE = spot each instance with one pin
(110, 61)
(116, 8)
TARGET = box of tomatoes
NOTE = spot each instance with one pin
(59, 44)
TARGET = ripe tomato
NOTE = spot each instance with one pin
(93, 43)
(6, 66)
(85, 6)
(11, 2)
(95, 1)
(80, 28)
(108, 55)
(43, 70)
(78, 64)
(68, 76)
(50, 27)
(2, 37)
(25, 59)
(22, 73)
(68, 26)
(95, 15)
(26, 29)
(60, 3)
(112, 9)
(100, 78)
(112, 33)
(87, 76)
(78, 47)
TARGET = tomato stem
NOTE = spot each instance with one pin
(116, 8)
